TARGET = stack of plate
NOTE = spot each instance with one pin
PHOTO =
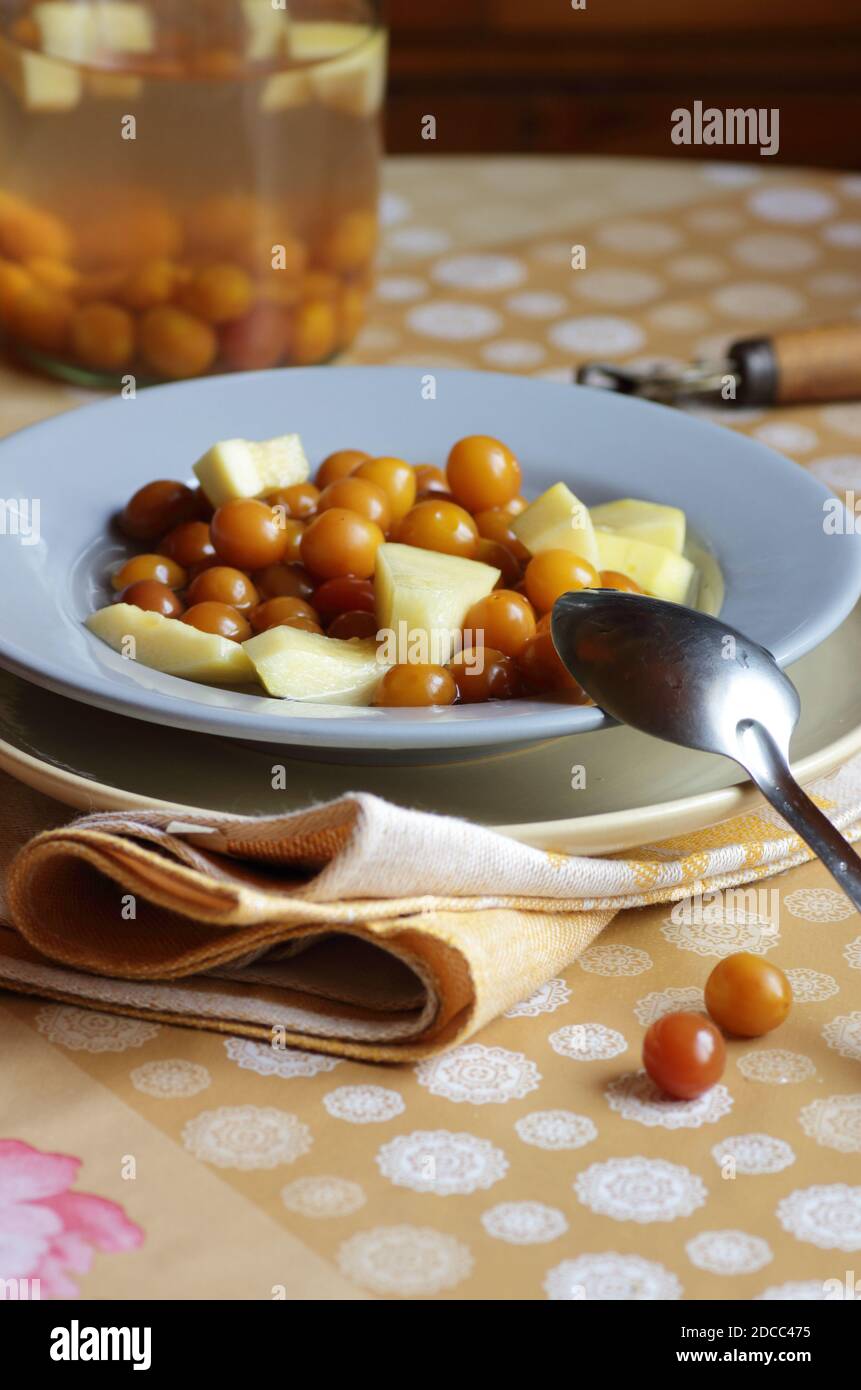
(97, 731)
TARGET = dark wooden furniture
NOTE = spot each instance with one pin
(537, 75)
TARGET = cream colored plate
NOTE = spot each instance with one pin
(636, 790)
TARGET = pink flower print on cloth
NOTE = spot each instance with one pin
(48, 1232)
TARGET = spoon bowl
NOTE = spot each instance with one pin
(671, 671)
(690, 679)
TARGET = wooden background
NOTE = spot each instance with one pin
(535, 75)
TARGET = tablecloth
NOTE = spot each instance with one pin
(535, 1161)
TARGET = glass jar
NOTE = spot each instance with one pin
(186, 186)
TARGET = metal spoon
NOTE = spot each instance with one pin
(688, 678)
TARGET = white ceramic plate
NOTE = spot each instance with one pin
(787, 583)
(637, 790)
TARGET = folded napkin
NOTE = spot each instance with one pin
(355, 927)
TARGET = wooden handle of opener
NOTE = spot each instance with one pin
(801, 364)
(818, 364)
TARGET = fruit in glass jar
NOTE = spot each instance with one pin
(482, 472)
(659, 571)
(242, 468)
(218, 293)
(175, 344)
(298, 665)
(169, 645)
(319, 284)
(557, 520)
(747, 995)
(14, 280)
(150, 284)
(684, 1054)
(557, 572)
(100, 284)
(123, 226)
(258, 340)
(280, 292)
(26, 230)
(414, 685)
(219, 225)
(57, 275)
(315, 332)
(276, 261)
(352, 309)
(350, 243)
(341, 542)
(103, 336)
(248, 534)
(41, 318)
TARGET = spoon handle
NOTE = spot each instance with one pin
(769, 769)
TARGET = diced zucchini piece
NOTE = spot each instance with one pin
(285, 89)
(246, 468)
(125, 26)
(557, 520)
(266, 29)
(81, 32)
(355, 82)
(298, 665)
(46, 85)
(312, 39)
(425, 594)
(168, 645)
(65, 31)
(657, 570)
(644, 521)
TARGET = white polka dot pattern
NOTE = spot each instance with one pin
(535, 1158)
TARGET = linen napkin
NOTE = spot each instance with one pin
(355, 927)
